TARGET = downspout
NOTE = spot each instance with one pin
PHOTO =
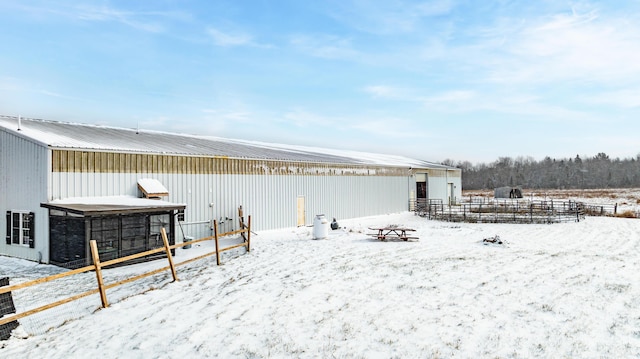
(446, 186)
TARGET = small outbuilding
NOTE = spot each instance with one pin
(120, 225)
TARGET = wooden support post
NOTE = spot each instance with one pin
(215, 238)
(249, 235)
(98, 268)
(242, 225)
(169, 256)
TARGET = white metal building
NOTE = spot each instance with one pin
(50, 169)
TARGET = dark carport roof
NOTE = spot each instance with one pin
(102, 206)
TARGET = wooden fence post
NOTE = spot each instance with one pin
(169, 256)
(242, 225)
(249, 235)
(215, 238)
(98, 268)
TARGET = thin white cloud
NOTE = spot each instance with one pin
(586, 48)
(24, 85)
(221, 38)
(149, 21)
(106, 13)
(563, 21)
(8, 83)
(386, 92)
(450, 97)
(623, 98)
(389, 127)
(233, 38)
(523, 106)
(372, 124)
(228, 115)
(56, 95)
(304, 118)
(387, 17)
(325, 46)
(156, 122)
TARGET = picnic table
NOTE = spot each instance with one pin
(385, 233)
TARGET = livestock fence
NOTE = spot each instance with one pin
(589, 208)
(10, 322)
(503, 211)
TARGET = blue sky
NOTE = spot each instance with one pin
(434, 80)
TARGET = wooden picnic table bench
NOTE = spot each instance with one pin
(385, 233)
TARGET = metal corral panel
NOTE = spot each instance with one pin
(23, 186)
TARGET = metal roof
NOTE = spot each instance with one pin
(66, 135)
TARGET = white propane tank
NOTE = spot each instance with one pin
(320, 227)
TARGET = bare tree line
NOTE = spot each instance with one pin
(598, 171)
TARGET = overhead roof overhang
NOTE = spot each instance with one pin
(101, 206)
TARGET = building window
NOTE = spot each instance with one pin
(20, 228)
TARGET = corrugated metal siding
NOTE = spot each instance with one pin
(437, 188)
(438, 184)
(104, 162)
(23, 186)
(270, 199)
(266, 189)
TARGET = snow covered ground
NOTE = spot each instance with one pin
(561, 290)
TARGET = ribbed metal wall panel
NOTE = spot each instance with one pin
(271, 200)
(269, 195)
(23, 186)
(439, 181)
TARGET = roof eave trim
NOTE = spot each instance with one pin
(20, 134)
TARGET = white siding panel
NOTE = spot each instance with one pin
(438, 185)
(23, 186)
(269, 199)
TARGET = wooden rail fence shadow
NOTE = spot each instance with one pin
(244, 231)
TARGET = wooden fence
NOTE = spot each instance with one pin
(244, 231)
